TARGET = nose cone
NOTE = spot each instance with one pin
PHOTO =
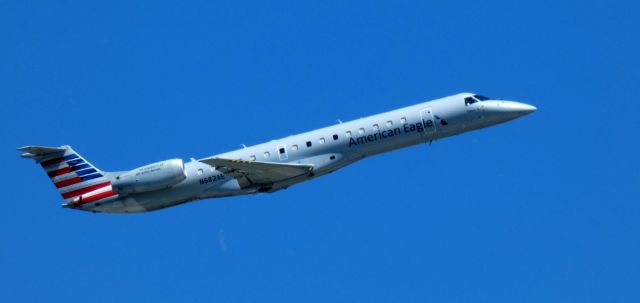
(518, 109)
(497, 111)
(521, 108)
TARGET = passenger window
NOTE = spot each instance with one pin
(267, 155)
(361, 130)
(294, 147)
(200, 171)
(335, 137)
(308, 143)
(389, 123)
(252, 158)
(403, 120)
(281, 150)
(376, 127)
(348, 134)
(321, 140)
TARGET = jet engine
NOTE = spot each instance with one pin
(150, 177)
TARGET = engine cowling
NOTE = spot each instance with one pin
(150, 177)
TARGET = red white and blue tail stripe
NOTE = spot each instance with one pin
(79, 182)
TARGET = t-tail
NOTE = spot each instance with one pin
(76, 179)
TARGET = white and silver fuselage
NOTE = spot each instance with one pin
(330, 148)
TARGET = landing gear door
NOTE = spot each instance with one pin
(429, 124)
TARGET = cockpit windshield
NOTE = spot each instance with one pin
(474, 99)
(481, 98)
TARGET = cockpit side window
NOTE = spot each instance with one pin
(481, 98)
(469, 100)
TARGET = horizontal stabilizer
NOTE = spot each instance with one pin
(37, 151)
(259, 172)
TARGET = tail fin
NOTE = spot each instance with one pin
(76, 179)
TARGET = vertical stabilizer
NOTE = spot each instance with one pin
(77, 180)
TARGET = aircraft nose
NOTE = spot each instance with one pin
(518, 108)
(502, 110)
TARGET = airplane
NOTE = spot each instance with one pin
(266, 167)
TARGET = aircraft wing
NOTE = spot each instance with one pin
(259, 172)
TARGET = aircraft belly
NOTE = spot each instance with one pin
(393, 144)
(122, 205)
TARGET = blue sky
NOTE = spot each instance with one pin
(541, 209)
